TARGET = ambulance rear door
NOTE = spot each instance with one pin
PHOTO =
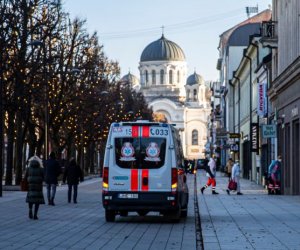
(140, 161)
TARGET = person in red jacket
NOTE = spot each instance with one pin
(211, 170)
(73, 174)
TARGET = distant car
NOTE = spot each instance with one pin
(201, 163)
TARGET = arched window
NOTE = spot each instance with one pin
(146, 77)
(171, 77)
(153, 77)
(178, 76)
(195, 95)
(188, 95)
(162, 76)
(194, 137)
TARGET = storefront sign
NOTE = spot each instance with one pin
(269, 131)
(234, 135)
(261, 99)
(234, 147)
(254, 137)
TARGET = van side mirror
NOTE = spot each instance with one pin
(109, 146)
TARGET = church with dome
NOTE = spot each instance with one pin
(180, 99)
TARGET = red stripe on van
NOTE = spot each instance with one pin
(145, 131)
(134, 179)
(135, 131)
(145, 179)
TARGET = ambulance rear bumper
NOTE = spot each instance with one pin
(133, 201)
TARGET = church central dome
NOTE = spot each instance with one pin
(162, 50)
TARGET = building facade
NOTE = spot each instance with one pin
(180, 99)
(283, 36)
(231, 48)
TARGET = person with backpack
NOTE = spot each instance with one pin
(274, 173)
(211, 171)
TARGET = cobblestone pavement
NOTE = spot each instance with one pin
(254, 220)
(83, 225)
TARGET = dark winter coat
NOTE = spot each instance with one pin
(73, 174)
(52, 171)
(35, 176)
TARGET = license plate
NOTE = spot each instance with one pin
(128, 196)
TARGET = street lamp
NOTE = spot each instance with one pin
(38, 43)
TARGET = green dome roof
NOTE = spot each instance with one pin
(162, 50)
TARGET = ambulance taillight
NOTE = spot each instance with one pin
(105, 179)
(174, 174)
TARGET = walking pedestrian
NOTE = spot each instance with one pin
(235, 176)
(52, 171)
(211, 171)
(35, 177)
(274, 173)
(228, 167)
(73, 174)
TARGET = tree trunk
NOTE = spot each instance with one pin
(10, 149)
(32, 143)
(19, 149)
(91, 157)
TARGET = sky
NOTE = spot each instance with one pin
(126, 27)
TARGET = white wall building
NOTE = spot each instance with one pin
(183, 101)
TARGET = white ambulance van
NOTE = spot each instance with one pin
(143, 171)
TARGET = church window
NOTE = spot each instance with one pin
(194, 137)
(146, 76)
(188, 95)
(195, 95)
(178, 76)
(162, 76)
(171, 77)
(153, 77)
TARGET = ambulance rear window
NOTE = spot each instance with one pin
(140, 153)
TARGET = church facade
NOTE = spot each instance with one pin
(180, 99)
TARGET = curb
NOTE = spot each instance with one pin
(199, 237)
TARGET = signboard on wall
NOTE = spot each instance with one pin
(269, 131)
(234, 147)
(254, 137)
(262, 99)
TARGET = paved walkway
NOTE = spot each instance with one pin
(254, 220)
(83, 226)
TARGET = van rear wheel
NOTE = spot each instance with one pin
(142, 212)
(110, 215)
(173, 216)
(124, 213)
(183, 213)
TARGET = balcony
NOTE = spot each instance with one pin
(269, 34)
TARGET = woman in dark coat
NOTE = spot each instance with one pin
(73, 175)
(35, 176)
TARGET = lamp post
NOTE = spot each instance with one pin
(1, 127)
(38, 43)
